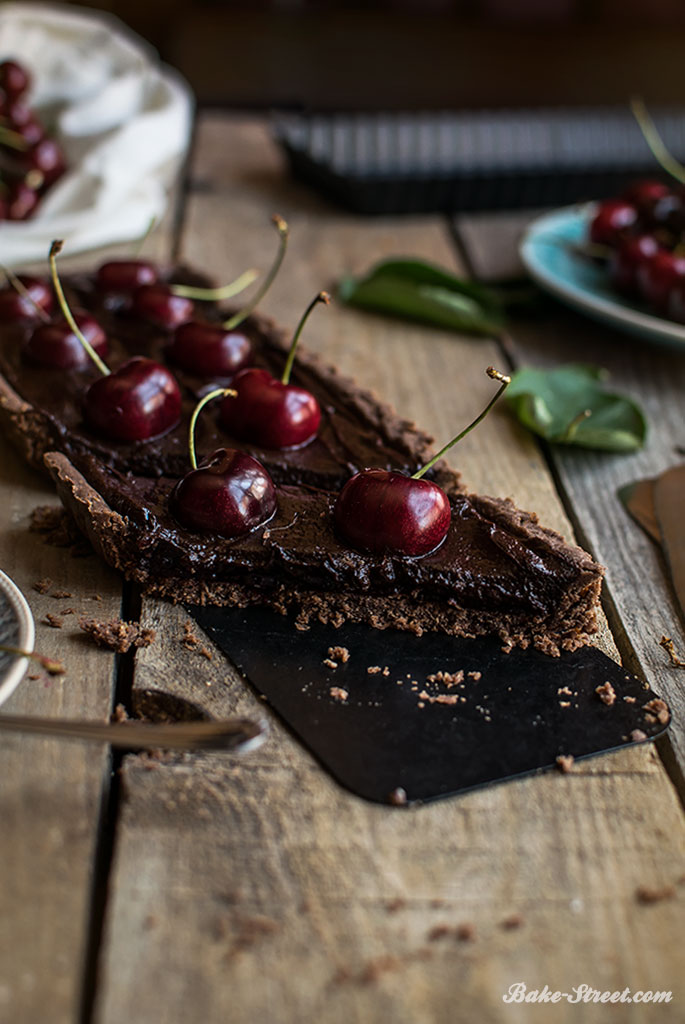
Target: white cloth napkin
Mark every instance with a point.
(122, 118)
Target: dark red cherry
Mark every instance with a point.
(15, 307)
(612, 220)
(268, 413)
(139, 400)
(18, 113)
(55, 344)
(230, 493)
(14, 78)
(210, 350)
(124, 276)
(643, 194)
(31, 131)
(157, 303)
(384, 512)
(657, 276)
(21, 201)
(47, 157)
(626, 259)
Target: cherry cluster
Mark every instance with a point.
(644, 231)
(30, 159)
(229, 493)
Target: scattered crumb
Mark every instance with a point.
(448, 678)
(189, 640)
(606, 693)
(329, 663)
(120, 714)
(337, 693)
(512, 922)
(566, 690)
(565, 763)
(392, 906)
(658, 710)
(58, 529)
(438, 931)
(564, 703)
(42, 586)
(638, 736)
(397, 797)
(386, 671)
(33, 675)
(669, 647)
(206, 653)
(54, 621)
(439, 698)
(648, 894)
(375, 968)
(475, 676)
(116, 634)
(339, 654)
(466, 932)
(373, 670)
(67, 611)
(61, 595)
(629, 700)
(95, 597)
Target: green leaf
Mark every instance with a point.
(568, 405)
(416, 290)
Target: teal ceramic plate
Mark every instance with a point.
(551, 262)
(16, 630)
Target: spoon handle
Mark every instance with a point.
(232, 734)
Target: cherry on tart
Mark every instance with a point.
(123, 277)
(384, 512)
(24, 298)
(220, 350)
(14, 79)
(57, 346)
(137, 401)
(158, 304)
(229, 493)
(273, 413)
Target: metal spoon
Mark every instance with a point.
(237, 734)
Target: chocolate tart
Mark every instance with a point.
(497, 572)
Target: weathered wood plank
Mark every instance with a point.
(52, 792)
(257, 889)
(654, 375)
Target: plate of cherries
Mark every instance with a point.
(621, 260)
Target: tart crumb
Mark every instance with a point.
(650, 894)
(392, 906)
(466, 932)
(116, 634)
(512, 922)
(61, 595)
(629, 700)
(329, 663)
(438, 931)
(54, 621)
(638, 736)
(448, 678)
(669, 647)
(606, 693)
(42, 586)
(565, 763)
(475, 676)
(657, 711)
(337, 693)
(373, 670)
(67, 611)
(120, 714)
(339, 654)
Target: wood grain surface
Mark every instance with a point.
(255, 889)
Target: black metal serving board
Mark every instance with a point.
(388, 743)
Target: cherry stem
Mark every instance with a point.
(22, 290)
(655, 142)
(51, 665)
(198, 409)
(227, 291)
(12, 139)
(242, 314)
(496, 375)
(571, 429)
(321, 297)
(55, 249)
(152, 224)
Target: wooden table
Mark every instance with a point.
(210, 888)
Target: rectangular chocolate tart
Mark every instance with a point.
(498, 572)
